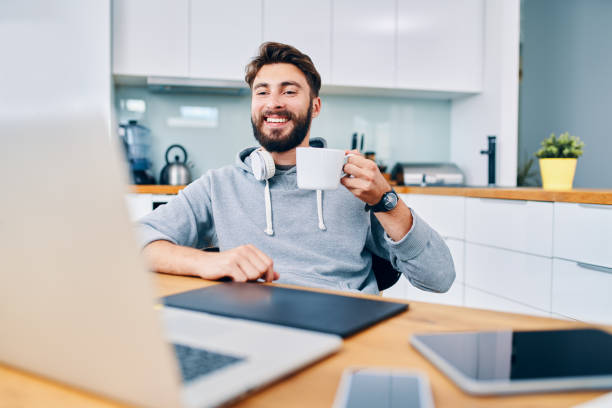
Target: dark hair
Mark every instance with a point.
(277, 53)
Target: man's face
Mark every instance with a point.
(281, 107)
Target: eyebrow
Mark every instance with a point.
(291, 83)
(283, 84)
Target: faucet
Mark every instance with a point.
(491, 153)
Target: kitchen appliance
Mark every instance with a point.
(137, 143)
(176, 173)
(427, 174)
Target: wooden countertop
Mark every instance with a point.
(587, 196)
(383, 345)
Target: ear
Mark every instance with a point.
(316, 106)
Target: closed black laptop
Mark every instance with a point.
(322, 312)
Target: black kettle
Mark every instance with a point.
(176, 173)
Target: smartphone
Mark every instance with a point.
(380, 387)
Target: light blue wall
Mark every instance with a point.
(567, 81)
(398, 129)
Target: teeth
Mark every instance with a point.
(276, 120)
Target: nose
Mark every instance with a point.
(274, 101)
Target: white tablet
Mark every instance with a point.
(510, 362)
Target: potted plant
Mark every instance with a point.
(558, 158)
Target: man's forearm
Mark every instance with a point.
(166, 257)
(396, 222)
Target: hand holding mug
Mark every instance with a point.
(366, 181)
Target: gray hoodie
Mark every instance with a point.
(326, 247)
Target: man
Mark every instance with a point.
(268, 228)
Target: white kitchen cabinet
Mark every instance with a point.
(513, 275)
(224, 36)
(582, 292)
(405, 291)
(583, 233)
(519, 225)
(482, 300)
(305, 25)
(151, 38)
(363, 43)
(445, 214)
(440, 45)
(140, 205)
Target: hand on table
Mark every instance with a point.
(367, 182)
(241, 264)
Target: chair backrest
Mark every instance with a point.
(386, 275)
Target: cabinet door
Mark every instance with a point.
(445, 214)
(138, 205)
(583, 233)
(440, 45)
(513, 275)
(151, 38)
(363, 43)
(519, 225)
(305, 25)
(582, 292)
(224, 36)
(482, 300)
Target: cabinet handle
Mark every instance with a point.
(597, 206)
(503, 200)
(592, 267)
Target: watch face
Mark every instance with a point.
(390, 200)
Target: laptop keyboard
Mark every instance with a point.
(196, 362)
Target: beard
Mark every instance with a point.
(275, 141)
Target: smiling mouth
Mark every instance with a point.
(276, 119)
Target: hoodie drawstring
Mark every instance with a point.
(269, 229)
(320, 210)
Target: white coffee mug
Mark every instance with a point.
(320, 168)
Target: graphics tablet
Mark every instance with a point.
(509, 362)
(303, 309)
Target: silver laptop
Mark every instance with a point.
(76, 303)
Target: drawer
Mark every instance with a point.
(582, 293)
(583, 232)
(445, 214)
(481, 300)
(453, 297)
(516, 276)
(519, 225)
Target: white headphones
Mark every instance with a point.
(262, 164)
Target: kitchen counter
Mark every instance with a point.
(587, 196)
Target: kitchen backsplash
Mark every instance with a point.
(213, 127)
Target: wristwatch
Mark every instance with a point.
(387, 202)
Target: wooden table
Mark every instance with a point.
(384, 345)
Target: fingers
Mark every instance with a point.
(367, 183)
(246, 263)
(263, 263)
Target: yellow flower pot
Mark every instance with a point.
(557, 174)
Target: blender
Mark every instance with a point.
(137, 143)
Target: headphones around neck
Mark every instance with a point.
(262, 164)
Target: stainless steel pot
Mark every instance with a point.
(176, 173)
